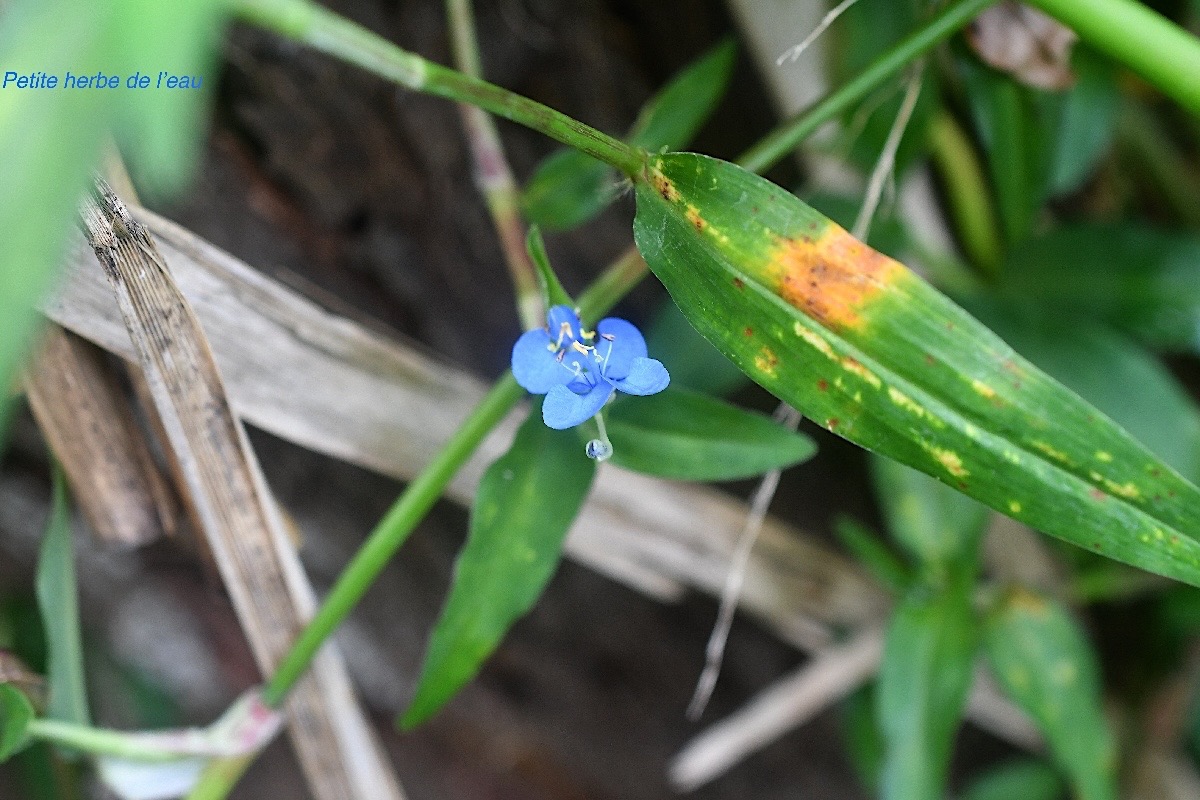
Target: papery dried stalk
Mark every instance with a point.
(86, 418)
(336, 747)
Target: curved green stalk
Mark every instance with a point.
(99, 741)
(311, 24)
(390, 533)
(1153, 46)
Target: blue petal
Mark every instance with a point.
(535, 366)
(556, 317)
(619, 352)
(564, 409)
(646, 376)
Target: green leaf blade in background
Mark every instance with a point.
(1026, 779)
(688, 356)
(1044, 662)
(860, 344)
(525, 504)
(1144, 280)
(16, 712)
(937, 525)
(923, 682)
(58, 602)
(689, 436)
(569, 188)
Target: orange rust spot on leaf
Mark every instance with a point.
(739, 284)
(748, 331)
(823, 385)
(831, 278)
(693, 216)
(832, 423)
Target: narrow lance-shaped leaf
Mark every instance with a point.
(526, 502)
(866, 348)
(923, 684)
(1046, 665)
(693, 437)
(58, 601)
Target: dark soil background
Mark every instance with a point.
(361, 195)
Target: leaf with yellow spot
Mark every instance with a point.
(1045, 663)
(863, 346)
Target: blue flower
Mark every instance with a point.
(578, 370)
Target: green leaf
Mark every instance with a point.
(923, 683)
(1101, 365)
(569, 188)
(16, 712)
(936, 524)
(690, 436)
(860, 344)
(58, 601)
(1026, 779)
(1144, 280)
(51, 137)
(527, 500)
(1041, 657)
(673, 116)
(552, 291)
(1017, 125)
(691, 360)
(870, 550)
(860, 732)
(1088, 121)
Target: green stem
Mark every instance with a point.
(1150, 44)
(311, 24)
(492, 172)
(97, 741)
(786, 137)
(391, 532)
(966, 192)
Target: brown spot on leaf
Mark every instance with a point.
(739, 284)
(823, 385)
(832, 423)
(663, 185)
(693, 216)
(1097, 494)
(748, 331)
(833, 277)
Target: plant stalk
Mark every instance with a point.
(492, 172)
(309, 23)
(1149, 43)
(787, 136)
